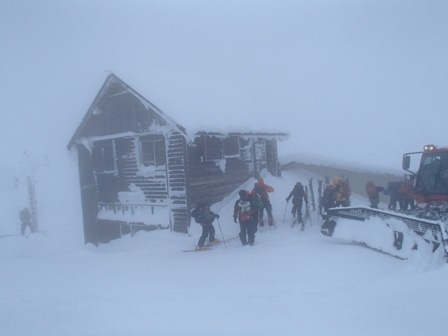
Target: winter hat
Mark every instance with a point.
(243, 193)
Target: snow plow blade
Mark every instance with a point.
(396, 234)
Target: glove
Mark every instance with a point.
(234, 219)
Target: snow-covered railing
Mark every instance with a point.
(135, 214)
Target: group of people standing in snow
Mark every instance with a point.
(250, 207)
(248, 212)
(336, 193)
(399, 192)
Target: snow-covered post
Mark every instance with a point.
(32, 205)
(32, 195)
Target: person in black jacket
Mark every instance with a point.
(328, 198)
(204, 216)
(245, 213)
(298, 195)
(25, 220)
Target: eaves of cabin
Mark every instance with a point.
(119, 109)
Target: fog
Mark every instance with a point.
(358, 81)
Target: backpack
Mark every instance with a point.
(299, 192)
(195, 215)
(256, 201)
(202, 214)
(245, 210)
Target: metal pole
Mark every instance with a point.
(223, 240)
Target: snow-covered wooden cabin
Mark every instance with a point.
(138, 168)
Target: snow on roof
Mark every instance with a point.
(111, 79)
(208, 104)
(198, 117)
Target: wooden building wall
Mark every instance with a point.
(219, 164)
(164, 186)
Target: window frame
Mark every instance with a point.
(104, 157)
(152, 144)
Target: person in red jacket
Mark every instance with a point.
(406, 192)
(374, 194)
(262, 190)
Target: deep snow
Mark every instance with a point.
(289, 283)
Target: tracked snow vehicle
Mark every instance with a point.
(402, 233)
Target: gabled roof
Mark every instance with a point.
(110, 80)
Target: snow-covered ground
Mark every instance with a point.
(289, 283)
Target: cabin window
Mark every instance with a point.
(152, 151)
(231, 146)
(213, 148)
(103, 156)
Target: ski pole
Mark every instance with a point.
(309, 213)
(284, 216)
(223, 240)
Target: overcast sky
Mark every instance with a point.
(361, 80)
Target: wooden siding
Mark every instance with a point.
(212, 180)
(153, 185)
(272, 163)
(88, 196)
(253, 153)
(120, 111)
(165, 185)
(177, 180)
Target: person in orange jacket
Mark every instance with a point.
(262, 190)
(373, 192)
(342, 189)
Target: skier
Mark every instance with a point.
(262, 190)
(298, 196)
(25, 220)
(374, 194)
(245, 213)
(204, 216)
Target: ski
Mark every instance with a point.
(311, 198)
(198, 250)
(302, 224)
(208, 246)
